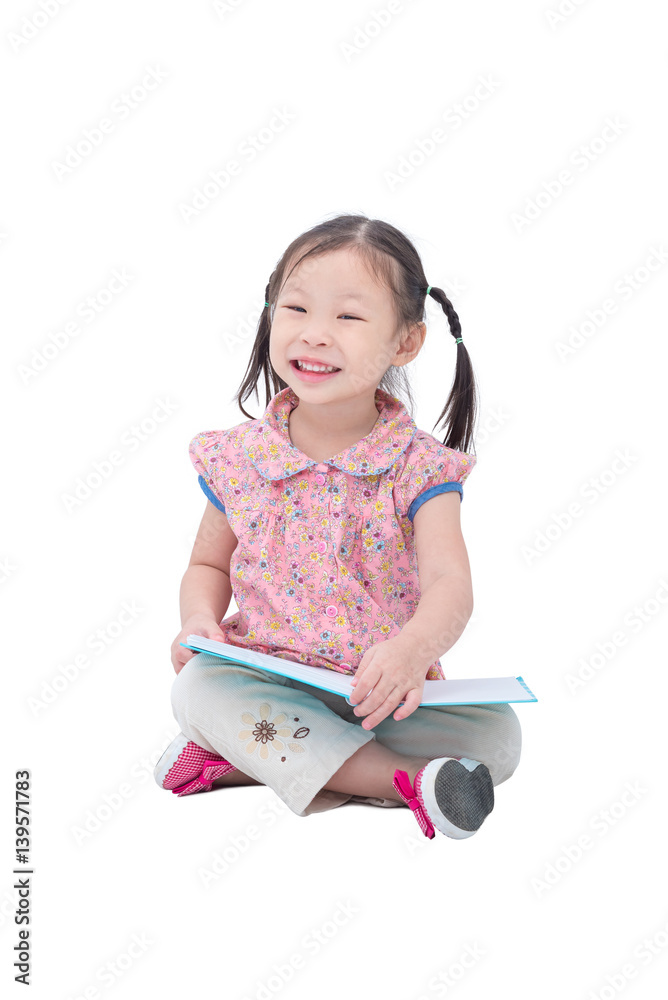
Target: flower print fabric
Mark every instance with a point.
(266, 732)
(325, 564)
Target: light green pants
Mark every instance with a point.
(293, 737)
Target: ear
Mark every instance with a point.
(410, 344)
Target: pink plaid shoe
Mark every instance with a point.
(452, 794)
(185, 768)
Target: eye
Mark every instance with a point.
(344, 316)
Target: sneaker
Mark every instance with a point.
(185, 767)
(452, 794)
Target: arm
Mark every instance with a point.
(396, 670)
(446, 603)
(206, 589)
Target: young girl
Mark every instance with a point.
(335, 523)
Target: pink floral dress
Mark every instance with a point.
(325, 564)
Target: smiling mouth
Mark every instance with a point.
(308, 367)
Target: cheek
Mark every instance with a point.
(280, 338)
(275, 353)
(277, 356)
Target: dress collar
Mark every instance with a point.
(268, 445)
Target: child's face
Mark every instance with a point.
(318, 317)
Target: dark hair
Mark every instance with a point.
(393, 259)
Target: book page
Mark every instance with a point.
(464, 691)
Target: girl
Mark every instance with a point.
(335, 524)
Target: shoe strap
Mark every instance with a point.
(214, 769)
(402, 784)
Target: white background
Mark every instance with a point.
(551, 428)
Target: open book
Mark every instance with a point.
(478, 691)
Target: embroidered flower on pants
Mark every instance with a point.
(265, 733)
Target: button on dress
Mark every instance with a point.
(325, 564)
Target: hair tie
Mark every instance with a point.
(458, 340)
(266, 303)
(429, 289)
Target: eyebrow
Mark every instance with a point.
(344, 295)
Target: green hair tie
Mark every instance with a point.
(458, 340)
(429, 289)
(266, 303)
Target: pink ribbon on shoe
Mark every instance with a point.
(402, 784)
(211, 769)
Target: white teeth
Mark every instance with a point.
(316, 368)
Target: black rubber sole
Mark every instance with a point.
(464, 797)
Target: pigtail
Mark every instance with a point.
(259, 364)
(460, 409)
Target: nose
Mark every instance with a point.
(316, 333)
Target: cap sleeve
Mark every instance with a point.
(431, 468)
(207, 450)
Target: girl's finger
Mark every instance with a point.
(379, 699)
(411, 702)
(214, 633)
(364, 701)
(363, 686)
(383, 710)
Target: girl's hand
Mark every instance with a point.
(195, 625)
(395, 673)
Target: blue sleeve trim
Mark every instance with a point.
(212, 496)
(432, 492)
